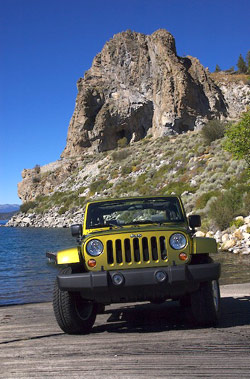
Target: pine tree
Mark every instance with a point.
(242, 67)
(217, 68)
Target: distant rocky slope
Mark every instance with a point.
(7, 208)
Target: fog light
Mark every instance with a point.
(118, 279)
(183, 256)
(161, 276)
(92, 263)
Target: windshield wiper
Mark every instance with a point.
(109, 225)
(147, 222)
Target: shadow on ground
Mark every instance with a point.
(150, 318)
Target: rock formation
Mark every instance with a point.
(137, 85)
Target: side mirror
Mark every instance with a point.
(76, 230)
(194, 221)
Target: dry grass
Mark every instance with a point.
(222, 77)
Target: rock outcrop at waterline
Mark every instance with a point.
(138, 85)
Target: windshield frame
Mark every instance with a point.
(140, 200)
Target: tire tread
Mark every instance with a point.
(65, 310)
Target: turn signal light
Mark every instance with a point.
(183, 256)
(91, 262)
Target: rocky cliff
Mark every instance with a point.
(139, 85)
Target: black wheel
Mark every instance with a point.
(74, 315)
(205, 304)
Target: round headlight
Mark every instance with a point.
(178, 241)
(94, 248)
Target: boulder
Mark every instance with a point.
(238, 234)
(224, 237)
(200, 234)
(228, 244)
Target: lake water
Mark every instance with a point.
(27, 277)
(25, 274)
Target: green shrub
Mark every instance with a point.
(246, 203)
(178, 188)
(201, 202)
(122, 187)
(28, 206)
(120, 155)
(141, 181)
(161, 173)
(238, 138)
(126, 170)
(146, 139)
(42, 209)
(122, 142)
(98, 186)
(237, 223)
(62, 210)
(225, 208)
(36, 179)
(57, 197)
(114, 174)
(212, 131)
(81, 190)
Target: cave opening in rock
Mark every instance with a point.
(123, 137)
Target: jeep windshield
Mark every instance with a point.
(119, 213)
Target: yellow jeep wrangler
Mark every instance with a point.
(135, 249)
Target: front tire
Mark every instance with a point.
(74, 315)
(205, 304)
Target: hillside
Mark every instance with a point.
(209, 181)
(183, 164)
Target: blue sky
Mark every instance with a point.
(46, 45)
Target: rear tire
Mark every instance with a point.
(205, 304)
(74, 315)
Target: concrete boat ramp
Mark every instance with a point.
(128, 341)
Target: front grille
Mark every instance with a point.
(136, 250)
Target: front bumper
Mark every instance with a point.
(139, 284)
